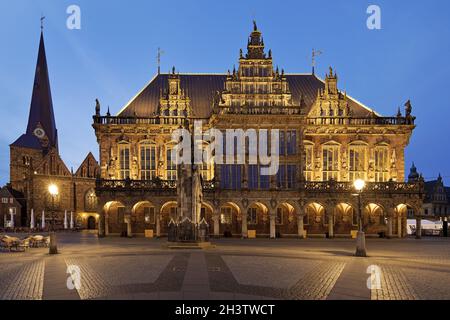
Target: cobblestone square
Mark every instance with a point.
(140, 268)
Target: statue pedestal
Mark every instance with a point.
(188, 235)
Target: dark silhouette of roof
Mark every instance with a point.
(28, 141)
(41, 108)
(200, 88)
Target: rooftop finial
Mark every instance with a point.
(255, 28)
(42, 22)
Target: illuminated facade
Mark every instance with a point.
(327, 140)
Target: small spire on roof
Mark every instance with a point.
(255, 28)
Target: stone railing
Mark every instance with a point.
(361, 121)
(264, 110)
(110, 120)
(157, 184)
(371, 187)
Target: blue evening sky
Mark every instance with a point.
(114, 55)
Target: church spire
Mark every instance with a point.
(41, 120)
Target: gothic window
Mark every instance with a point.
(291, 173)
(309, 162)
(171, 167)
(90, 201)
(148, 161)
(357, 162)
(252, 215)
(381, 164)
(330, 159)
(256, 180)
(149, 215)
(124, 161)
(225, 215)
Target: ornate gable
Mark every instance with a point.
(53, 165)
(330, 102)
(89, 168)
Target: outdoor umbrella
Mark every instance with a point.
(32, 219)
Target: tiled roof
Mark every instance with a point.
(201, 88)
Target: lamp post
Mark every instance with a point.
(359, 185)
(53, 190)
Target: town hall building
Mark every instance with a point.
(327, 139)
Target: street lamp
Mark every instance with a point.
(53, 190)
(359, 185)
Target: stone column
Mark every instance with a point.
(127, 219)
(399, 226)
(330, 226)
(106, 223)
(216, 220)
(244, 224)
(158, 225)
(101, 224)
(300, 227)
(272, 226)
(418, 227)
(404, 226)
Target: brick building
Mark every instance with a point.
(35, 164)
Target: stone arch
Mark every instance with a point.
(258, 217)
(143, 216)
(230, 219)
(374, 218)
(169, 210)
(207, 212)
(286, 218)
(315, 219)
(114, 212)
(403, 211)
(345, 218)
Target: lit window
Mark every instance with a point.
(330, 159)
(148, 162)
(171, 167)
(124, 161)
(309, 162)
(4, 200)
(381, 164)
(357, 162)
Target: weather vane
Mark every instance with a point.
(315, 53)
(42, 22)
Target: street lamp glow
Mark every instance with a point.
(53, 189)
(359, 184)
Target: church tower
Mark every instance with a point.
(41, 137)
